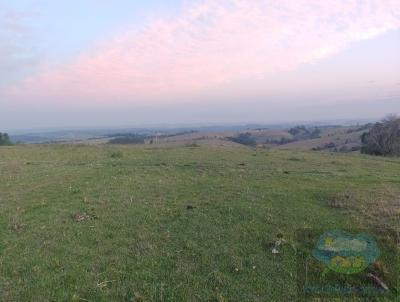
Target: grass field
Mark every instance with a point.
(120, 223)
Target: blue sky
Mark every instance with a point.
(57, 31)
(68, 26)
(100, 63)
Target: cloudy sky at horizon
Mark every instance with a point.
(119, 63)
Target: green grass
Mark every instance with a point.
(138, 239)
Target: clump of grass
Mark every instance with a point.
(192, 145)
(116, 154)
(74, 190)
(296, 159)
(83, 216)
(342, 200)
(16, 225)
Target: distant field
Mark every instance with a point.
(181, 223)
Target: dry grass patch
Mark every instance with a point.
(380, 205)
(342, 200)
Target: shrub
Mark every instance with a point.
(116, 154)
(383, 139)
(301, 132)
(244, 139)
(5, 139)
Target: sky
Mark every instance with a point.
(97, 63)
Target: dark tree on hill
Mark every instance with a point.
(301, 132)
(383, 138)
(316, 133)
(298, 130)
(5, 139)
(244, 139)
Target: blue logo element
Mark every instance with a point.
(346, 253)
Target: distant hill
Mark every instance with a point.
(338, 138)
(318, 136)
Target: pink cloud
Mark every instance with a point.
(209, 44)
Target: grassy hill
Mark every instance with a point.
(330, 138)
(345, 139)
(182, 223)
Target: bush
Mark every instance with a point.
(116, 154)
(301, 132)
(297, 130)
(383, 139)
(244, 139)
(330, 145)
(5, 139)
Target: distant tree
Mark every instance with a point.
(128, 139)
(244, 139)
(301, 132)
(5, 139)
(315, 133)
(298, 130)
(383, 138)
(285, 140)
